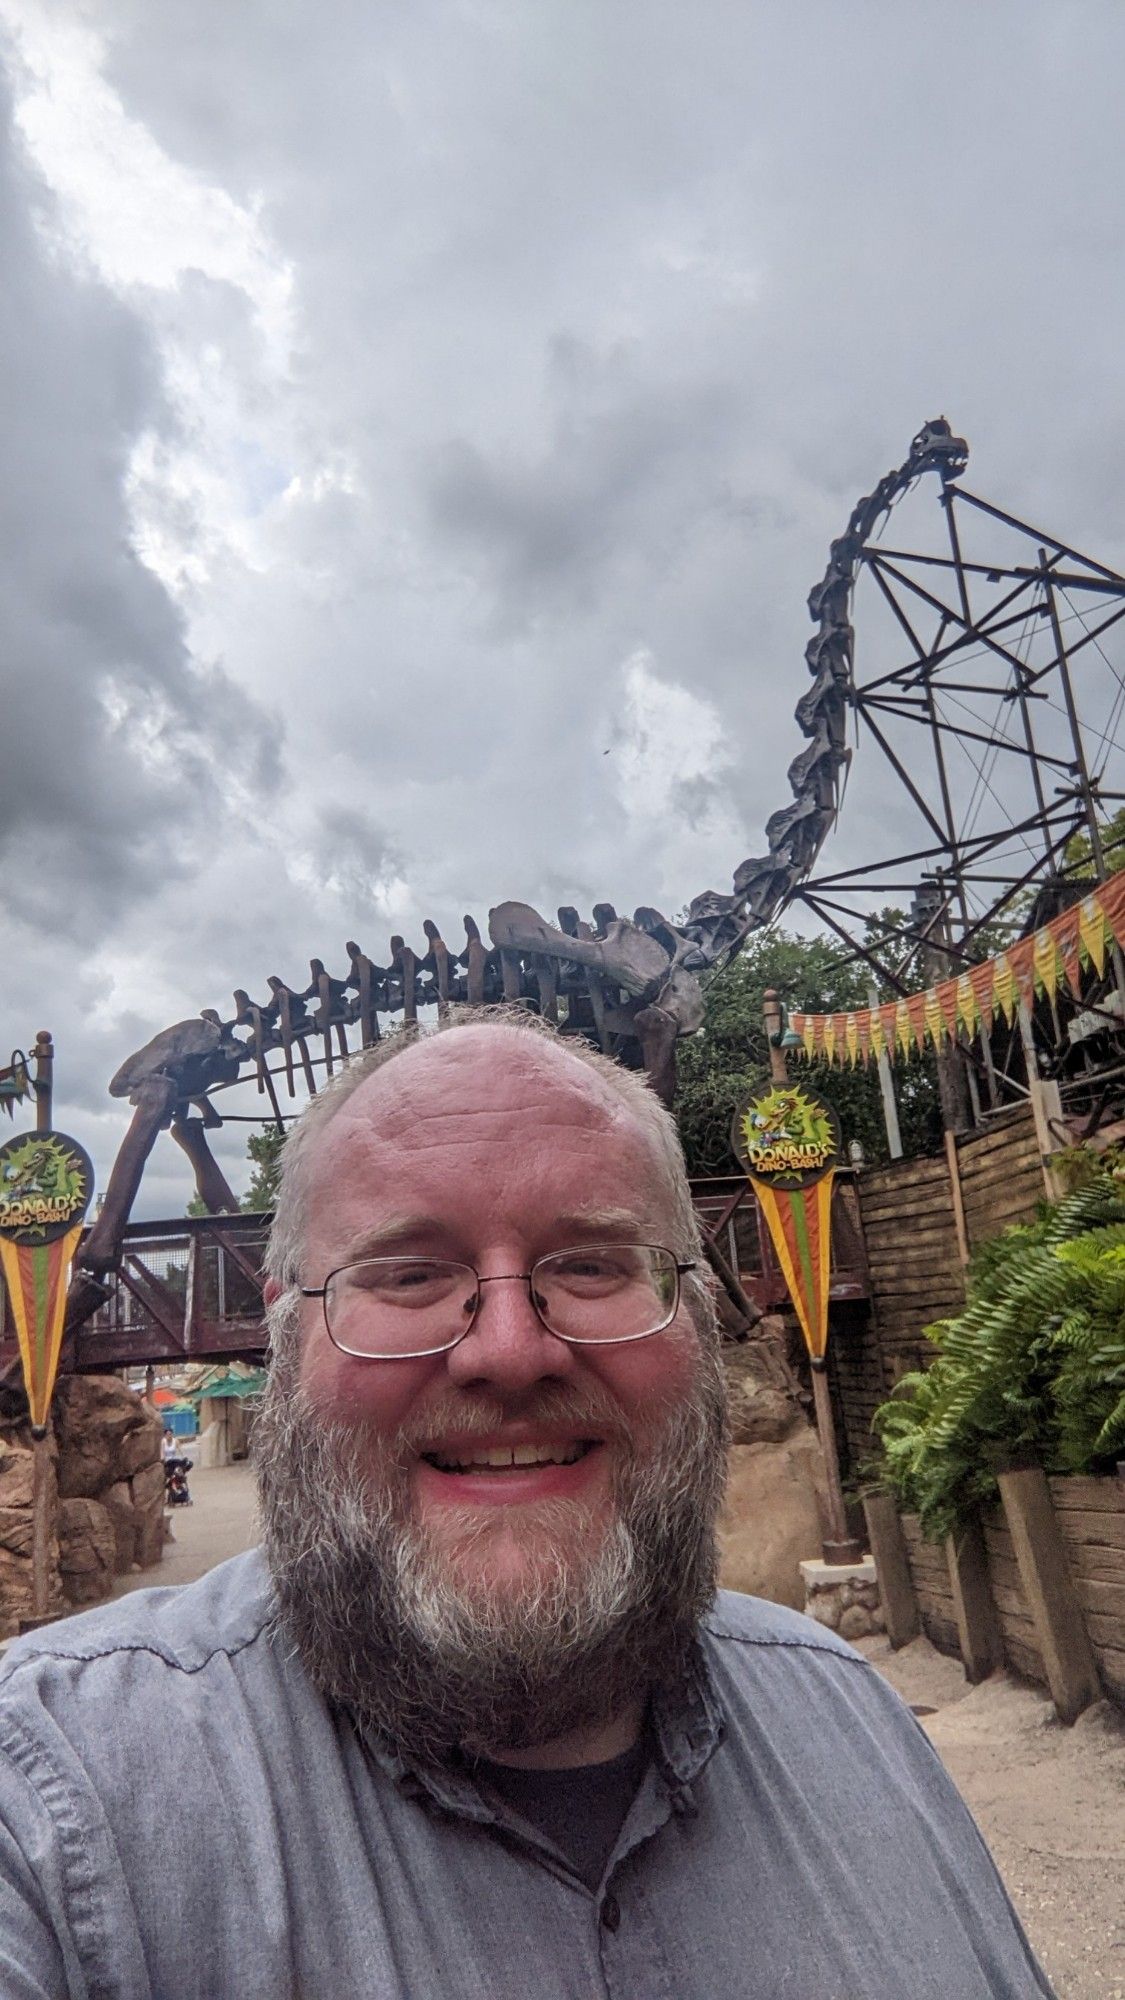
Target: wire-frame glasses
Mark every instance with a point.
(402, 1308)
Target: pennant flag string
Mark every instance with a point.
(1061, 951)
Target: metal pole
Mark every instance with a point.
(1082, 771)
(1081, 768)
(887, 1090)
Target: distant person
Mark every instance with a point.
(474, 1723)
(169, 1445)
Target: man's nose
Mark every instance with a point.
(509, 1348)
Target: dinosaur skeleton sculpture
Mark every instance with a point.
(630, 984)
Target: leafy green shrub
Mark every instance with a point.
(1033, 1369)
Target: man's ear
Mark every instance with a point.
(271, 1290)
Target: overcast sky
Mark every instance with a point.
(424, 424)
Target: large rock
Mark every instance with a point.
(761, 1388)
(87, 1550)
(147, 1488)
(140, 1451)
(105, 1434)
(16, 1525)
(118, 1503)
(771, 1518)
(16, 1475)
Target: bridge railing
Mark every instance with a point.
(191, 1290)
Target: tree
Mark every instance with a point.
(264, 1149)
(730, 1056)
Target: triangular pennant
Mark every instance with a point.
(864, 1022)
(1065, 931)
(36, 1276)
(982, 980)
(1111, 896)
(851, 1037)
(968, 1007)
(947, 1001)
(1021, 958)
(915, 1004)
(1092, 932)
(1045, 962)
(800, 1224)
(932, 1016)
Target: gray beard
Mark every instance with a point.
(429, 1659)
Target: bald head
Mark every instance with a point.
(505, 1079)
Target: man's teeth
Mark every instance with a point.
(503, 1456)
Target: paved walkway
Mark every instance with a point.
(1050, 1801)
(221, 1522)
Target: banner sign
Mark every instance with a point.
(788, 1142)
(46, 1181)
(1064, 949)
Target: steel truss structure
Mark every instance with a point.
(989, 681)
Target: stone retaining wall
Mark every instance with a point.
(106, 1498)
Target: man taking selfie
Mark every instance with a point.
(474, 1722)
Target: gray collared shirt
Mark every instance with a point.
(182, 1817)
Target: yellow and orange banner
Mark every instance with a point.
(1062, 950)
(788, 1141)
(45, 1185)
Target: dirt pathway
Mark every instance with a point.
(1050, 1802)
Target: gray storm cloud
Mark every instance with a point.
(382, 388)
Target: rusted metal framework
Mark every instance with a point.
(994, 703)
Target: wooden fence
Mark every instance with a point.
(1050, 1596)
(918, 1228)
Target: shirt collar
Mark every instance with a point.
(687, 1729)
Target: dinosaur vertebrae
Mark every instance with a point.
(620, 979)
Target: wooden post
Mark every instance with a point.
(44, 1053)
(1046, 1107)
(978, 1626)
(956, 1197)
(1060, 1627)
(40, 1524)
(896, 1586)
(40, 1450)
(771, 1015)
(887, 1089)
(837, 1546)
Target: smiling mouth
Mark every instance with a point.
(509, 1458)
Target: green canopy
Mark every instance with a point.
(219, 1383)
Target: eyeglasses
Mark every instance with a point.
(403, 1308)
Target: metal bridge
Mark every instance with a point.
(191, 1289)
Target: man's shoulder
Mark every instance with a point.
(753, 1621)
(180, 1627)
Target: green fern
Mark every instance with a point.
(1033, 1368)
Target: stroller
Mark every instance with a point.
(175, 1482)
